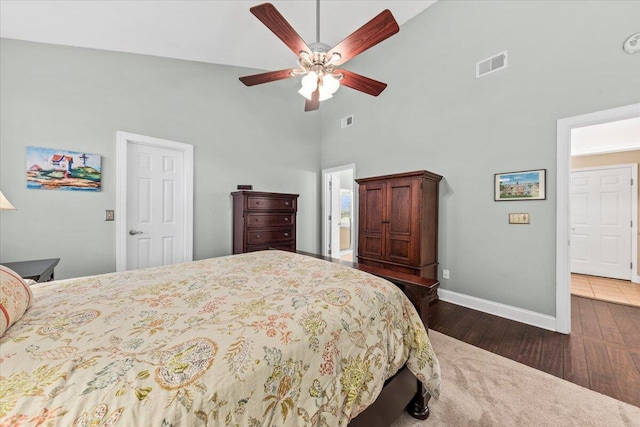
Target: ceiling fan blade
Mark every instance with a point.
(271, 76)
(361, 83)
(313, 103)
(269, 16)
(370, 34)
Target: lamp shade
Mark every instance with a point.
(5, 205)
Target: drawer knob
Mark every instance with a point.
(286, 203)
(257, 236)
(286, 218)
(257, 202)
(286, 234)
(257, 220)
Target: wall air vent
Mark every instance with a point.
(490, 65)
(346, 122)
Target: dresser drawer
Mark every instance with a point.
(271, 203)
(262, 237)
(282, 246)
(269, 220)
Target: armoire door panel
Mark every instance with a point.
(374, 209)
(400, 201)
(399, 251)
(372, 247)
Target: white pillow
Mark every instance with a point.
(15, 298)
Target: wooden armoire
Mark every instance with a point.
(398, 223)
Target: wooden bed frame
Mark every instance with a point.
(403, 390)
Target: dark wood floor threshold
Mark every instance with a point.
(602, 352)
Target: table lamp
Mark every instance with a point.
(5, 205)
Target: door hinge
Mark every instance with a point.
(632, 182)
(329, 217)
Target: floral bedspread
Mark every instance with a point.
(261, 339)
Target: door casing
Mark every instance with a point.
(122, 139)
(326, 206)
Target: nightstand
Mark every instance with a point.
(40, 270)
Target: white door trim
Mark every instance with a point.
(633, 170)
(122, 139)
(563, 191)
(326, 205)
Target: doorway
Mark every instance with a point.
(563, 157)
(154, 201)
(339, 213)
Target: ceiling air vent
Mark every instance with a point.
(489, 65)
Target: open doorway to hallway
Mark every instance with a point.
(604, 207)
(339, 213)
(564, 243)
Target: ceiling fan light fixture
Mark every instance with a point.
(331, 83)
(309, 84)
(324, 93)
(306, 93)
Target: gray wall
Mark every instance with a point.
(565, 59)
(76, 99)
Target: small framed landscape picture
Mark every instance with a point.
(524, 185)
(55, 169)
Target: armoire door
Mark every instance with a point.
(402, 221)
(371, 241)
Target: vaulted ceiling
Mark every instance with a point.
(213, 31)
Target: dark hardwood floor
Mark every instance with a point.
(601, 353)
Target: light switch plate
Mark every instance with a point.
(109, 215)
(518, 218)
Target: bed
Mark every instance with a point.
(267, 338)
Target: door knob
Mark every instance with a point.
(134, 232)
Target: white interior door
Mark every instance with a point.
(601, 222)
(154, 202)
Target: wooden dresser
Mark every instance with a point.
(398, 223)
(264, 220)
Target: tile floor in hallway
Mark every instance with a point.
(605, 289)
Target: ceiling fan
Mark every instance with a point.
(319, 62)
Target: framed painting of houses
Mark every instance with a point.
(523, 185)
(56, 169)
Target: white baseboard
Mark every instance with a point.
(635, 279)
(502, 310)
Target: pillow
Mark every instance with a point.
(15, 298)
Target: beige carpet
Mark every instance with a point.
(483, 389)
